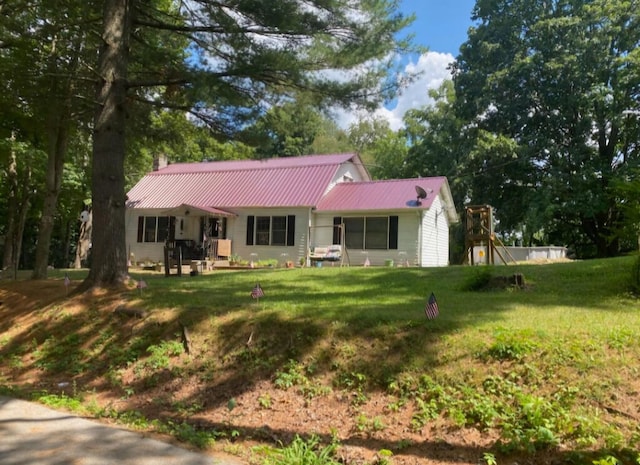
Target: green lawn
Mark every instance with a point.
(553, 366)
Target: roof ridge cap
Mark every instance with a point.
(373, 181)
(227, 170)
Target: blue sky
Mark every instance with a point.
(440, 25)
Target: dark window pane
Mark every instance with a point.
(250, 225)
(337, 231)
(150, 229)
(279, 230)
(140, 228)
(163, 228)
(172, 228)
(291, 230)
(393, 232)
(376, 233)
(354, 232)
(263, 224)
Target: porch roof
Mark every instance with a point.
(186, 210)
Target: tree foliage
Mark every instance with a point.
(45, 57)
(546, 85)
(245, 57)
(286, 130)
(173, 135)
(330, 138)
(382, 149)
(164, 66)
(439, 144)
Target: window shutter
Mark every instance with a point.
(140, 228)
(393, 232)
(250, 226)
(172, 229)
(291, 230)
(337, 236)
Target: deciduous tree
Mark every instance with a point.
(381, 148)
(44, 50)
(552, 80)
(439, 143)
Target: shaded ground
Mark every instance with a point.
(247, 413)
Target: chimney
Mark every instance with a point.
(159, 162)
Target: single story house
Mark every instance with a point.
(287, 208)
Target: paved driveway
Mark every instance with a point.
(33, 434)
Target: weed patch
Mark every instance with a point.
(510, 345)
(300, 451)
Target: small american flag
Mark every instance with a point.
(67, 281)
(431, 308)
(142, 284)
(257, 292)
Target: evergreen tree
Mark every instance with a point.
(243, 56)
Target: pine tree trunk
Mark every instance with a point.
(25, 202)
(53, 181)
(18, 206)
(12, 207)
(58, 127)
(108, 254)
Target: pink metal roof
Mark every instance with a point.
(393, 194)
(275, 182)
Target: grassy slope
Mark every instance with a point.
(551, 367)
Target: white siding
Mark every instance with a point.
(321, 230)
(435, 236)
(408, 231)
(237, 232)
(141, 251)
(408, 238)
(186, 227)
(423, 236)
(347, 170)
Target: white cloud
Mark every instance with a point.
(432, 69)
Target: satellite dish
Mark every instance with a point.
(84, 216)
(422, 194)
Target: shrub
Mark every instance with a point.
(510, 346)
(478, 279)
